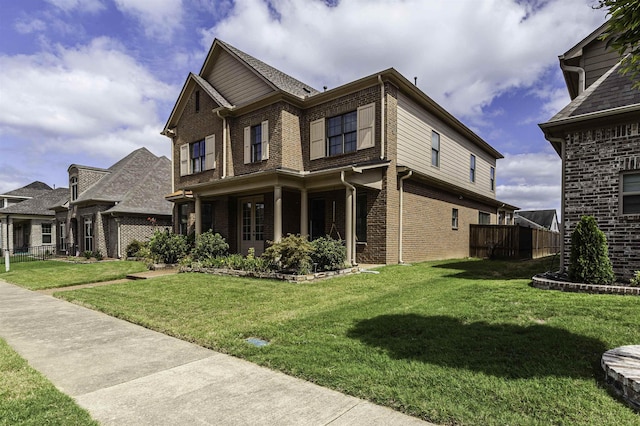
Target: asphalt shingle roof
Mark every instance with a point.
(135, 184)
(32, 190)
(612, 90)
(541, 217)
(38, 205)
(282, 81)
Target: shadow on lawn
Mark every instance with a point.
(503, 350)
(500, 269)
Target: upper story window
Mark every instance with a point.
(256, 143)
(435, 149)
(492, 179)
(198, 156)
(344, 133)
(630, 193)
(197, 100)
(472, 168)
(73, 183)
(341, 133)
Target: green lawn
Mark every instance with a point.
(453, 342)
(39, 275)
(27, 398)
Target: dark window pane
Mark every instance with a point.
(334, 126)
(350, 142)
(631, 183)
(631, 204)
(350, 122)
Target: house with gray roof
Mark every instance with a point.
(105, 209)
(538, 219)
(258, 154)
(25, 219)
(597, 135)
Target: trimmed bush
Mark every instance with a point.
(168, 247)
(328, 254)
(209, 245)
(134, 248)
(291, 254)
(589, 259)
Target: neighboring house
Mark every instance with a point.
(26, 221)
(105, 209)
(258, 154)
(598, 138)
(539, 219)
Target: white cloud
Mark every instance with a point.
(530, 181)
(159, 18)
(91, 6)
(91, 98)
(464, 53)
(28, 26)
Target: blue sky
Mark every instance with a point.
(88, 81)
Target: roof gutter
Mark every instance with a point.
(581, 75)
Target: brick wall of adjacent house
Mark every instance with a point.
(36, 233)
(86, 178)
(133, 228)
(595, 159)
(390, 208)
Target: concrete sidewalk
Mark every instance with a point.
(125, 374)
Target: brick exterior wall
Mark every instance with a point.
(390, 197)
(594, 161)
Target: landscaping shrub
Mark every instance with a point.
(168, 247)
(635, 280)
(134, 248)
(589, 259)
(209, 245)
(291, 254)
(328, 254)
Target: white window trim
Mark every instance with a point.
(623, 194)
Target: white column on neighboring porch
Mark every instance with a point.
(349, 229)
(10, 234)
(304, 213)
(198, 215)
(277, 213)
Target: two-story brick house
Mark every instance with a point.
(258, 154)
(598, 137)
(105, 209)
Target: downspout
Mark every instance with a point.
(224, 144)
(407, 176)
(382, 134)
(581, 76)
(350, 220)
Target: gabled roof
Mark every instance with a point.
(577, 49)
(38, 205)
(542, 218)
(32, 190)
(135, 184)
(275, 77)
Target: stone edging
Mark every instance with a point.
(622, 369)
(274, 275)
(548, 284)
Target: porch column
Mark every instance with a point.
(277, 213)
(304, 213)
(348, 224)
(4, 233)
(10, 234)
(198, 215)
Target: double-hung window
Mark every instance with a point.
(341, 133)
(435, 149)
(484, 218)
(198, 156)
(472, 168)
(630, 193)
(256, 143)
(88, 234)
(454, 218)
(46, 233)
(61, 236)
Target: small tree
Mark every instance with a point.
(589, 260)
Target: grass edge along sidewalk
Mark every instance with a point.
(27, 397)
(452, 342)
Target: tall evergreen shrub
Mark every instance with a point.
(589, 259)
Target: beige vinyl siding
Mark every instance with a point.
(597, 60)
(414, 149)
(237, 83)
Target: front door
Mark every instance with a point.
(252, 225)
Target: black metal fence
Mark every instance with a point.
(31, 254)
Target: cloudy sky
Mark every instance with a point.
(88, 81)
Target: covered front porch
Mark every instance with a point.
(251, 210)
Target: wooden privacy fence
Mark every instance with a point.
(512, 241)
